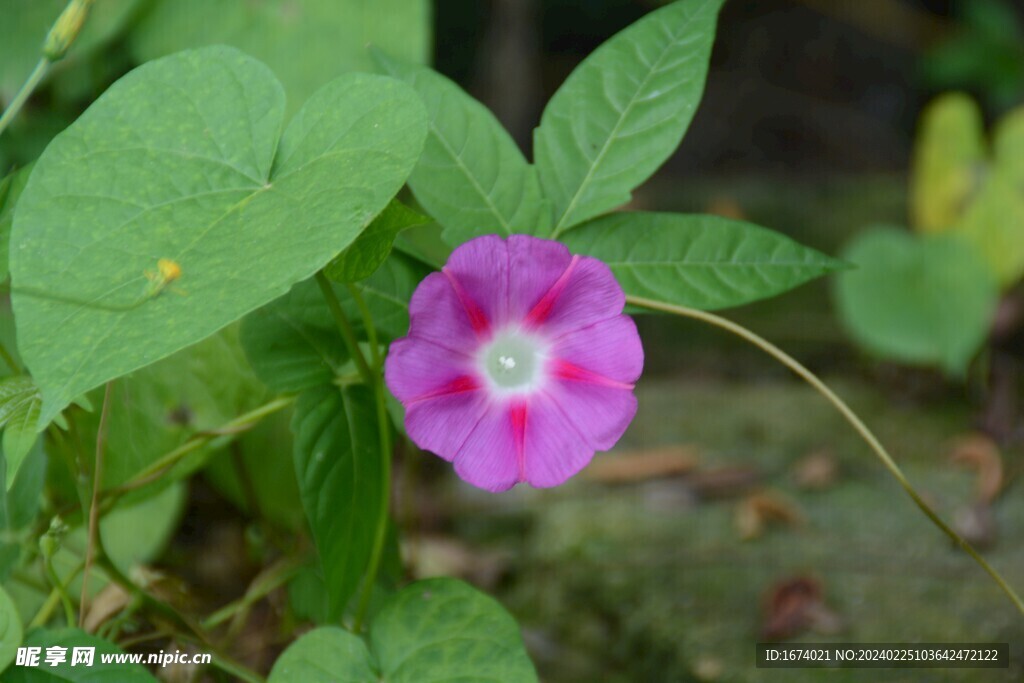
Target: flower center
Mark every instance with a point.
(512, 361)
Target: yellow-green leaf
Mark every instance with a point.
(949, 158)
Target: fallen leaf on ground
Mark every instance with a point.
(981, 454)
(758, 510)
(816, 471)
(795, 605)
(667, 461)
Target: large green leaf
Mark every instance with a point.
(949, 159)
(71, 638)
(704, 262)
(443, 630)
(434, 631)
(471, 177)
(293, 343)
(305, 42)
(25, 25)
(10, 630)
(926, 300)
(180, 161)
(338, 466)
(623, 111)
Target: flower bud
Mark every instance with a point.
(66, 29)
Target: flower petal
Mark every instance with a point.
(610, 348)
(442, 424)
(490, 457)
(599, 411)
(534, 267)
(586, 293)
(416, 369)
(436, 314)
(478, 271)
(554, 450)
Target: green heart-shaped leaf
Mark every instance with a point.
(434, 631)
(173, 206)
(925, 300)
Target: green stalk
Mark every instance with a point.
(236, 426)
(348, 334)
(844, 410)
(375, 381)
(93, 511)
(33, 81)
(371, 330)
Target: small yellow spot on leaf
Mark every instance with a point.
(169, 269)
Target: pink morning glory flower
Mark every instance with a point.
(519, 363)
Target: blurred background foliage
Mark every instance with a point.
(738, 507)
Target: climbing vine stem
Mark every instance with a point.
(850, 416)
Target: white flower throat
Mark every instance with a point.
(512, 361)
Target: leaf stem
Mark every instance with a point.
(33, 81)
(265, 583)
(380, 534)
(345, 328)
(60, 590)
(851, 417)
(94, 514)
(371, 329)
(375, 381)
(240, 424)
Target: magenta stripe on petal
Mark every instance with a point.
(588, 295)
(564, 370)
(542, 310)
(416, 368)
(478, 320)
(534, 267)
(555, 449)
(437, 315)
(610, 348)
(479, 271)
(442, 425)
